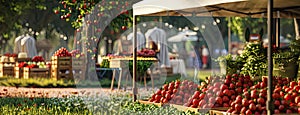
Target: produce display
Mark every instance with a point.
(237, 92)
(33, 65)
(146, 52)
(38, 59)
(62, 52)
(253, 101)
(220, 92)
(176, 92)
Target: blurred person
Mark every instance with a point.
(205, 54)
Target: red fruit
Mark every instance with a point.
(195, 102)
(157, 97)
(239, 84)
(165, 87)
(245, 102)
(297, 88)
(223, 87)
(165, 100)
(252, 107)
(263, 85)
(281, 107)
(230, 110)
(175, 91)
(258, 107)
(229, 77)
(227, 81)
(202, 103)
(233, 97)
(238, 107)
(275, 95)
(261, 101)
(227, 92)
(232, 86)
(247, 95)
(243, 110)
(211, 100)
(276, 103)
(225, 99)
(225, 105)
(288, 111)
(293, 84)
(201, 96)
(287, 97)
(168, 96)
(158, 92)
(248, 112)
(276, 111)
(254, 94)
(238, 90)
(283, 102)
(297, 99)
(219, 100)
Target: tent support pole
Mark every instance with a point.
(229, 35)
(277, 24)
(134, 88)
(270, 105)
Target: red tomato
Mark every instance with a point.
(287, 97)
(243, 110)
(245, 102)
(252, 107)
(248, 112)
(276, 111)
(238, 107)
(195, 102)
(277, 103)
(261, 101)
(281, 107)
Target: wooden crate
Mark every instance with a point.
(61, 67)
(61, 73)
(7, 70)
(19, 72)
(79, 67)
(36, 73)
(61, 61)
(198, 110)
(148, 102)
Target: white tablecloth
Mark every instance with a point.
(178, 66)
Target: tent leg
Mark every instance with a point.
(134, 88)
(270, 105)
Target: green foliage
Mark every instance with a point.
(255, 60)
(51, 83)
(83, 106)
(142, 66)
(104, 63)
(232, 64)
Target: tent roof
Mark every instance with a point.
(254, 8)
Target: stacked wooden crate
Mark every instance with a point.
(7, 69)
(78, 67)
(19, 71)
(36, 73)
(61, 67)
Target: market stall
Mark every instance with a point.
(226, 8)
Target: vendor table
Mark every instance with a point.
(178, 66)
(122, 64)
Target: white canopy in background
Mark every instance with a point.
(141, 40)
(186, 35)
(254, 8)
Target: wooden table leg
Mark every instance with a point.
(112, 80)
(120, 78)
(151, 76)
(145, 82)
(125, 87)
